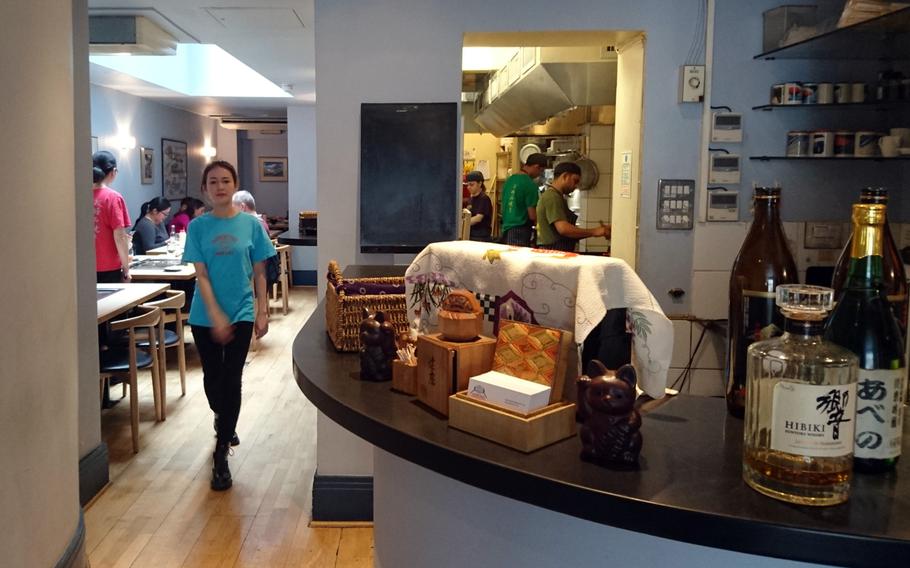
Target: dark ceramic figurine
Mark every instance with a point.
(377, 347)
(609, 422)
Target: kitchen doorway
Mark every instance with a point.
(573, 96)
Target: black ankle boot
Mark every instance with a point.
(221, 474)
(235, 440)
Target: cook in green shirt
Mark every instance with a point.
(520, 193)
(555, 221)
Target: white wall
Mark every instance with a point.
(302, 182)
(114, 112)
(271, 196)
(39, 504)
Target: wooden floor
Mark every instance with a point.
(159, 511)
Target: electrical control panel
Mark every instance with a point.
(727, 127)
(692, 83)
(724, 168)
(723, 205)
(675, 203)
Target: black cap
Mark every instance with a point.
(474, 176)
(536, 159)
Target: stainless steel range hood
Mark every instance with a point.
(546, 90)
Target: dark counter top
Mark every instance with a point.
(689, 487)
(296, 238)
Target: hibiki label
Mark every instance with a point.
(813, 420)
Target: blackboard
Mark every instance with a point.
(409, 191)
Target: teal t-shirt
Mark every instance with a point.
(228, 247)
(518, 194)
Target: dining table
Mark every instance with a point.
(160, 268)
(115, 299)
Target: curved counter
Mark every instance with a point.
(688, 489)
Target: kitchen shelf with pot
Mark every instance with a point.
(876, 105)
(885, 38)
(831, 158)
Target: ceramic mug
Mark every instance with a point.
(904, 135)
(810, 93)
(842, 93)
(822, 144)
(843, 143)
(797, 143)
(866, 143)
(888, 145)
(825, 93)
(858, 93)
(793, 94)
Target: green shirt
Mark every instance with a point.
(518, 193)
(552, 207)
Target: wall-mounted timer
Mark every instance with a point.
(723, 205)
(724, 168)
(727, 127)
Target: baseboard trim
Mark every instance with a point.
(342, 498)
(341, 524)
(303, 278)
(74, 555)
(93, 473)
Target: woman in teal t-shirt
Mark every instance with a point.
(228, 249)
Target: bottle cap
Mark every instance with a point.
(874, 195)
(766, 192)
(804, 302)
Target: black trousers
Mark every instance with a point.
(222, 368)
(109, 276)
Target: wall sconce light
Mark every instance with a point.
(123, 141)
(209, 152)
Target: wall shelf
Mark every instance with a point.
(877, 105)
(886, 38)
(831, 159)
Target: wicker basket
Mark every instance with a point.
(343, 313)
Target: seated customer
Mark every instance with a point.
(190, 208)
(147, 232)
(556, 228)
(244, 201)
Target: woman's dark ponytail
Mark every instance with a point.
(103, 163)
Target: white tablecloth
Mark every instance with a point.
(553, 289)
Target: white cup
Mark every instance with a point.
(903, 134)
(866, 143)
(825, 93)
(888, 145)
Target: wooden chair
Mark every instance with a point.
(282, 286)
(171, 312)
(129, 361)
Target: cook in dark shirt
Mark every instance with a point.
(480, 206)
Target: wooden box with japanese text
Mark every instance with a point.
(445, 367)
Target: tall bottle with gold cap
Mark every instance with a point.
(894, 279)
(864, 323)
(763, 263)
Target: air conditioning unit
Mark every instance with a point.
(128, 34)
(263, 124)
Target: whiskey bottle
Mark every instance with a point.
(894, 278)
(801, 404)
(864, 323)
(763, 263)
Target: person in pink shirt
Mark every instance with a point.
(112, 222)
(190, 208)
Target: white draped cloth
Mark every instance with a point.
(550, 288)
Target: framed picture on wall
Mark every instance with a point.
(173, 168)
(146, 157)
(273, 168)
